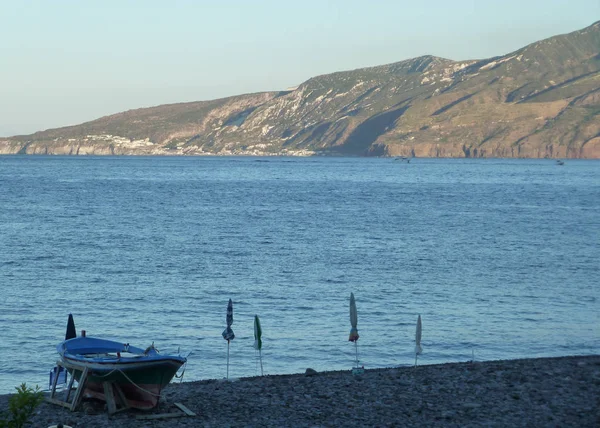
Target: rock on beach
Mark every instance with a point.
(538, 392)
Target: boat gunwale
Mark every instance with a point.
(120, 364)
(140, 359)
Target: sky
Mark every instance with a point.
(65, 62)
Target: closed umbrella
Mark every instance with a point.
(228, 334)
(71, 332)
(418, 348)
(353, 322)
(258, 341)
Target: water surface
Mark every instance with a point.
(500, 258)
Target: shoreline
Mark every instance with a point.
(557, 391)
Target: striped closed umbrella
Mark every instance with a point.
(228, 334)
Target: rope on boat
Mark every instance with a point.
(136, 385)
(129, 379)
(182, 373)
(107, 374)
(139, 387)
(184, 366)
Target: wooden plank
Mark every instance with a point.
(55, 380)
(185, 409)
(80, 387)
(109, 397)
(161, 416)
(59, 402)
(69, 387)
(121, 396)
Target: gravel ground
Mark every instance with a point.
(543, 392)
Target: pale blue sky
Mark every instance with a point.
(66, 62)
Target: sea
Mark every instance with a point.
(500, 257)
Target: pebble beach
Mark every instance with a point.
(541, 392)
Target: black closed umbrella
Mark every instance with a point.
(71, 332)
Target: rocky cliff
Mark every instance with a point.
(540, 101)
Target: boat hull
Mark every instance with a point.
(141, 385)
(142, 397)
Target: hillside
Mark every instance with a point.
(540, 101)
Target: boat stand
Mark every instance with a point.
(110, 390)
(77, 396)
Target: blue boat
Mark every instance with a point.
(138, 374)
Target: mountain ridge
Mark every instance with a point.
(539, 101)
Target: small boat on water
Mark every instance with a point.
(139, 374)
(559, 162)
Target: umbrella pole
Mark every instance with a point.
(228, 359)
(260, 358)
(356, 348)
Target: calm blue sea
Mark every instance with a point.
(500, 258)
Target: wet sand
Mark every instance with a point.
(542, 392)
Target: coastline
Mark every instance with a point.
(560, 391)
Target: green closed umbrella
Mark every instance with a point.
(258, 341)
